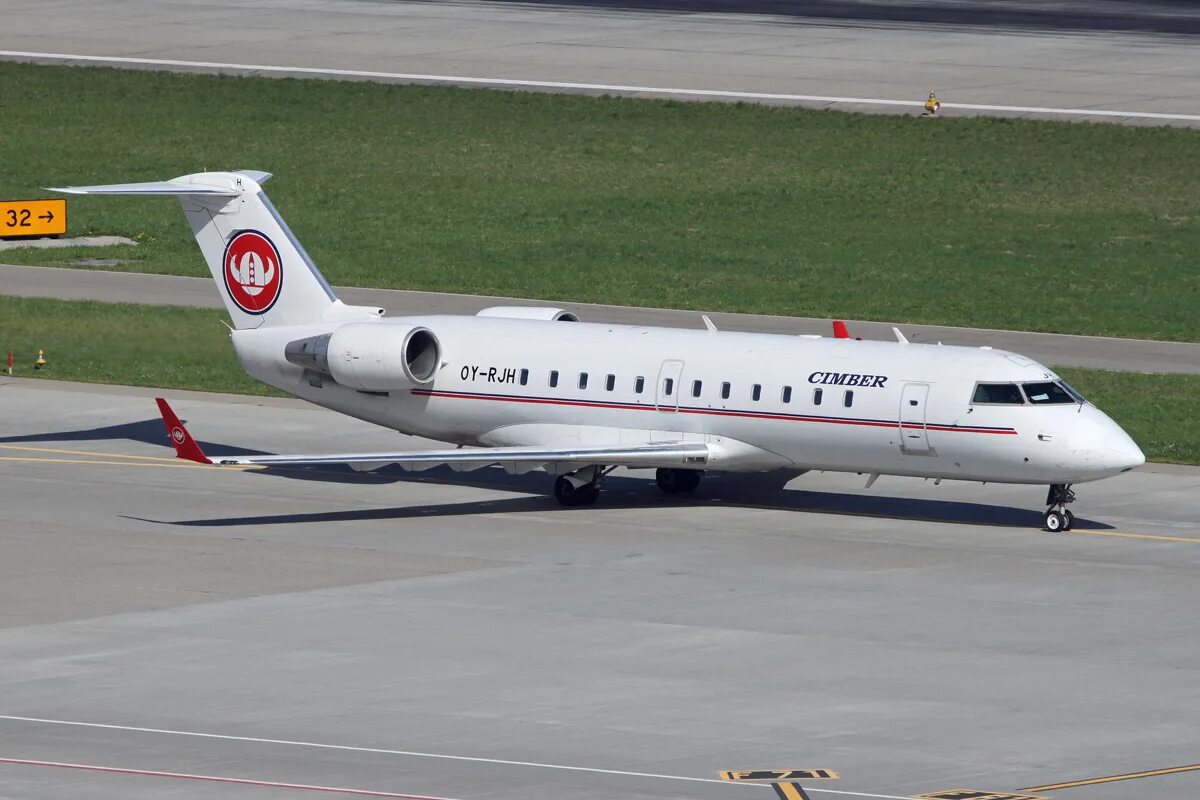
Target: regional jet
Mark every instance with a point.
(535, 388)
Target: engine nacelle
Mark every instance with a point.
(530, 312)
(371, 356)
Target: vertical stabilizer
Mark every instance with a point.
(262, 272)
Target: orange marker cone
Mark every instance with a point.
(41, 359)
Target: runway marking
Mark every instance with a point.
(112, 463)
(218, 779)
(416, 754)
(85, 453)
(1128, 776)
(791, 791)
(777, 774)
(594, 87)
(1157, 537)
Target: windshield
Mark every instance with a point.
(1007, 393)
(1073, 392)
(1047, 393)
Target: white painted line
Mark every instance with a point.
(416, 754)
(152, 773)
(591, 87)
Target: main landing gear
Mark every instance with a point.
(1058, 518)
(678, 481)
(579, 488)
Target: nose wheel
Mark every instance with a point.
(1058, 518)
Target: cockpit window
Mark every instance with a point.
(1006, 393)
(1047, 393)
(1072, 391)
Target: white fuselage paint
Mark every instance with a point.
(477, 398)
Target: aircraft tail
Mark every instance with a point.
(262, 272)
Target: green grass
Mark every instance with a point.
(980, 222)
(136, 345)
(188, 348)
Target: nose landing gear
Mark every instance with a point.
(1058, 518)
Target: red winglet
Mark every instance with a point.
(840, 331)
(185, 445)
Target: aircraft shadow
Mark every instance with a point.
(744, 491)
(147, 431)
(637, 493)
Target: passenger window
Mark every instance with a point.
(553, 378)
(724, 391)
(848, 400)
(1001, 393)
(639, 385)
(817, 393)
(524, 377)
(583, 380)
(668, 386)
(696, 387)
(787, 394)
(1041, 394)
(610, 382)
(756, 392)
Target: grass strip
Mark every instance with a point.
(188, 348)
(1015, 224)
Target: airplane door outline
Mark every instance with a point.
(914, 433)
(671, 370)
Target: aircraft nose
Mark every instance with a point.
(1103, 445)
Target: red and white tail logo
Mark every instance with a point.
(253, 271)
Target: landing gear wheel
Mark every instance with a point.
(568, 494)
(677, 481)
(1058, 518)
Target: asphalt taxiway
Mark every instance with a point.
(1100, 60)
(461, 636)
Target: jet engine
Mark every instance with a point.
(371, 356)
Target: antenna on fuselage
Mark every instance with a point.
(899, 336)
(708, 323)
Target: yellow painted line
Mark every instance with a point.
(84, 453)
(790, 791)
(1151, 536)
(1113, 778)
(183, 464)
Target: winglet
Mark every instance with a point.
(840, 331)
(185, 445)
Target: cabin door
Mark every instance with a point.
(914, 436)
(666, 393)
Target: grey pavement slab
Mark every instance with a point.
(1087, 55)
(461, 636)
(1136, 355)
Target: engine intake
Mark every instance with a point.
(371, 356)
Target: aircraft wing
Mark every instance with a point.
(514, 459)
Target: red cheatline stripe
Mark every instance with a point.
(218, 779)
(868, 423)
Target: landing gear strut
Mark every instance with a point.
(1058, 518)
(579, 488)
(678, 481)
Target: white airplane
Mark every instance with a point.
(530, 388)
